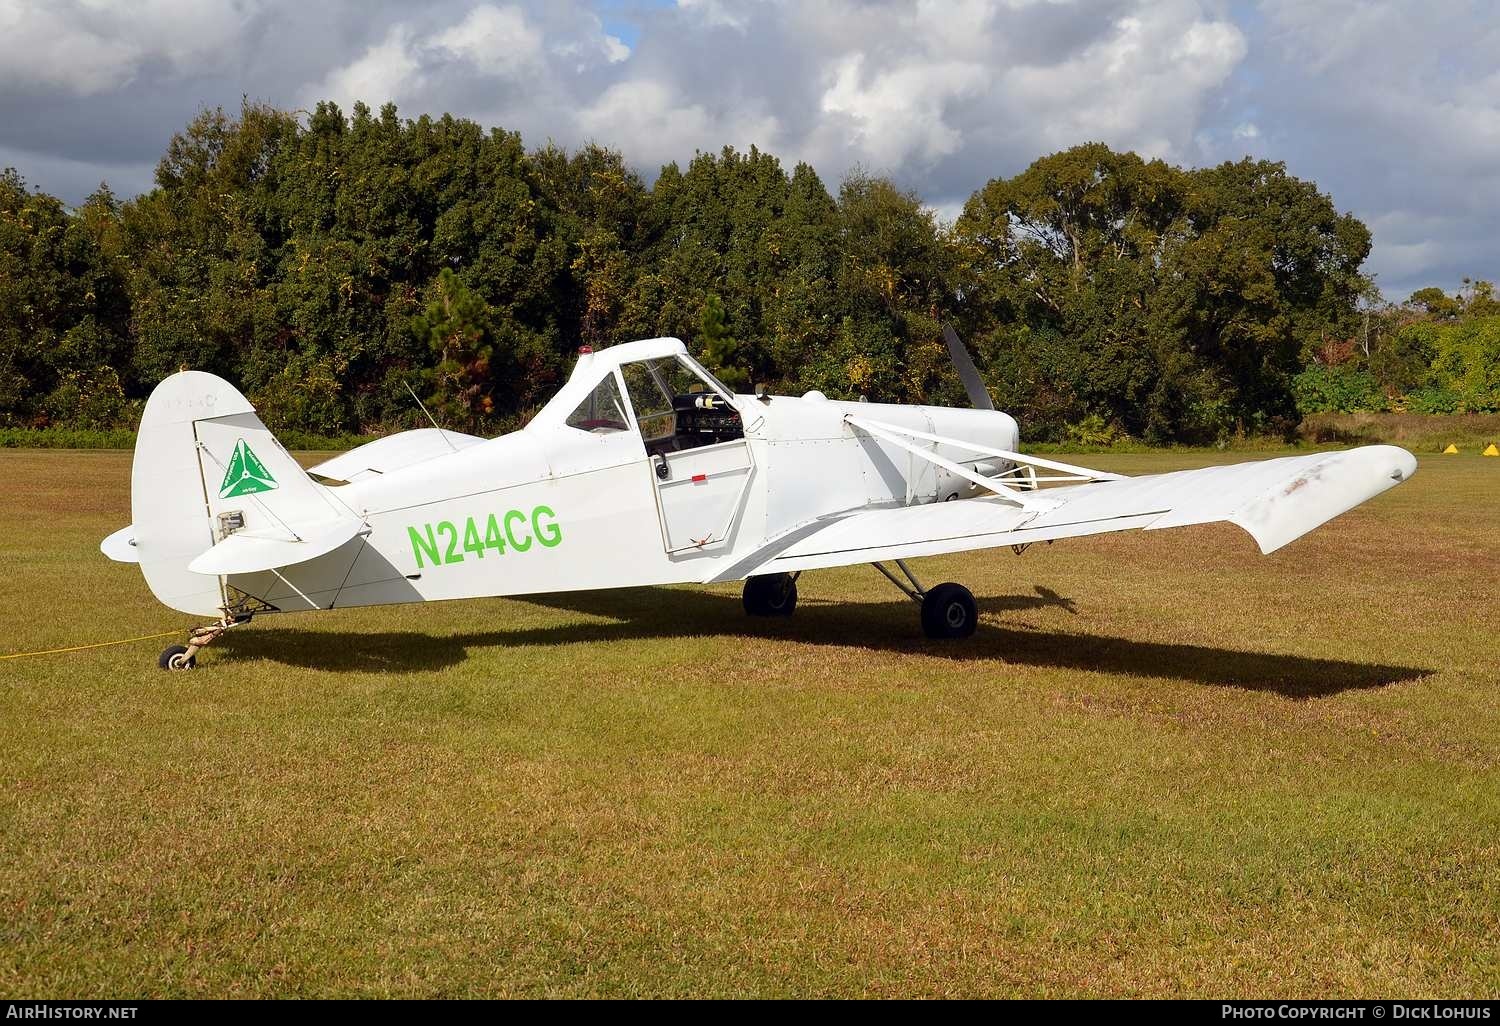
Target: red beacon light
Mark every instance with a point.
(585, 350)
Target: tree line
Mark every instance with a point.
(326, 263)
(1436, 353)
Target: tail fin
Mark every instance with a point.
(214, 493)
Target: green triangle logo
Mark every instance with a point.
(246, 474)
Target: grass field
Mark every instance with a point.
(1423, 434)
(1165, 765)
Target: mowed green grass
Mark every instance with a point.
(1165, 765)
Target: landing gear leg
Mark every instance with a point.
(948, 610)
(185, 657)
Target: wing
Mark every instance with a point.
(1276, 501)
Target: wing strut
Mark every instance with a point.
(1005, 492)
(899, 436)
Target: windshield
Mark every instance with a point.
(677, 405)
(654, 386)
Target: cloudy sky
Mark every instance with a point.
(1392, 106)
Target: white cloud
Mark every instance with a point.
(947, 213)
(86, 48)
(495, 40)
(661, 126)
(386, 71)
(491, 51)
(590, 44)
(1144, 86)
(898, 113)
(615, 49)
(716, 13)
(1395, 110)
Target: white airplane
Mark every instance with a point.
(645, 470)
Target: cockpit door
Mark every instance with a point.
(699, 461)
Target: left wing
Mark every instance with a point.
(1275, 501)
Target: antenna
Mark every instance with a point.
(441, 433)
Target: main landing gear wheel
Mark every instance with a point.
(949, 611)
(771, 595)
(175, 657)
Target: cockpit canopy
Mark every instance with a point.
(651, 387)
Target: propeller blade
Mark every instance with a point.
(967, 373)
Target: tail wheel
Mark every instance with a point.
(175, 657)
(770, 595)
(949, 611)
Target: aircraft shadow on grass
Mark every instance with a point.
(668, 613)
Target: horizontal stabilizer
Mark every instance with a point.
(120, 546)
(248, 552)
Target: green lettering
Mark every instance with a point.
(549, 534)
(453, 555)
(493, 539)
(516, 514)
(472, 541)
(420, 545)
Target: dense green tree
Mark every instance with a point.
(456, 327)
(1435, 302)
(64, 307)
(1479, 298)
(718, 348)
(1467, 364)
(325, 261)
(893, 288)
(1404, 363)
(1178, 304)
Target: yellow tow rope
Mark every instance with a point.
(97, 644)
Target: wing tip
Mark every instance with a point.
(1403, 463)
(1356, 476)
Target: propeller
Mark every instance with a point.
(967, 373)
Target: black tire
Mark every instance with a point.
(949, 611)
(770, 595)
(171, 658)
